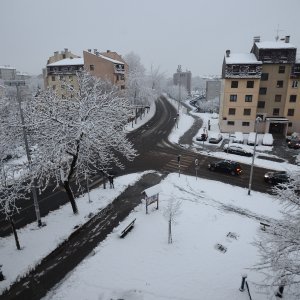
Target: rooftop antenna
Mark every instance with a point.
(277, 33)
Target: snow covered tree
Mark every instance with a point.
(81, 133)
(13, 187)
(171, 213)
(174, 92)
(279, 244)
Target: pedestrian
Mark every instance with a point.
(111, 181)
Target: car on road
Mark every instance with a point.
(202, 137)
(276, 177)
(294, 143)
(226, 166)
(215, 138)
(233, 149)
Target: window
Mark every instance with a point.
(247, 111)
(277, 98)
(262, 91)
(245, 123)
(290, 112)
(250, 84)
(293, 98)
(279, 83)
(122, 87)
(281, 69)
(53, 78)
(248, 98)
(294, 84)
(233, 98)
(234, 84)
(264, 76)
(92, 67)
(231, 123)
(231, 111)
(275, 111)
(261, 104)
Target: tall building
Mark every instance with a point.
(63, 67)
(8, 73)
(263, 83)
(183, 78)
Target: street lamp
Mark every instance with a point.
(18, 83)
(179, 84)
(257, 120)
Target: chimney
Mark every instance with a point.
(90, 50)
(66, 50)
(107, 51)
(97, 53)
(287, 38)
(227, 53)
(256, 39)
(95, 50)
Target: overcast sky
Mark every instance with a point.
(164, 33)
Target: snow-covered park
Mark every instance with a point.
(211, 250)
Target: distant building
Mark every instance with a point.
(65, 65)
(213, 88)
(263, 83)
(183, 78)
(7, 73)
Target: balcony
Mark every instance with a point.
(119, 69)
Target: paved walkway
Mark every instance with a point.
(80, 244)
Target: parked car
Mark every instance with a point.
(226, 166)
(238, 137)
(251, 139)
(268, 139)
(276, 177)
(202, 137)
(233, 149)
(215, 138)
(294, 143)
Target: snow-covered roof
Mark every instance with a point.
(7, 67)
(241, 58)
(67, 62)
(108, 58)
(153, 190)
(275, 45)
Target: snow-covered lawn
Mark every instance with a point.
(143, 266)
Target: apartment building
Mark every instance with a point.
(183, 78)
(63, 67)
(263, 83)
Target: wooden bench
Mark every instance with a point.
(127, 229)
(264, 225)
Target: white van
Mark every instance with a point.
(251, 139)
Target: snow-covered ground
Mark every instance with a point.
(143, 265)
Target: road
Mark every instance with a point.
(155, 152)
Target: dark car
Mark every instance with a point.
(276, 177)
(237, 150)
(226, 166)
(294, 143)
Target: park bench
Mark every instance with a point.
(127, 229)
(264, 225)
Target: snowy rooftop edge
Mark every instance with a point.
(108, 58)
(275, 45)
(242, 58)
(67, 62)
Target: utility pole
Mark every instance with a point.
(18, 83)
(179, 84)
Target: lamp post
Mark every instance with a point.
(257, 120)
(179, 84)
(18, 83)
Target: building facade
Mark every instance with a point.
(63, 67)
(183, 78)
(263, 83)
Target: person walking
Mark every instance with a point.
(111, 181)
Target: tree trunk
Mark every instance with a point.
(13, 227)
(71, 197)
(170, 232)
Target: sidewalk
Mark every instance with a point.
(80, 244)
